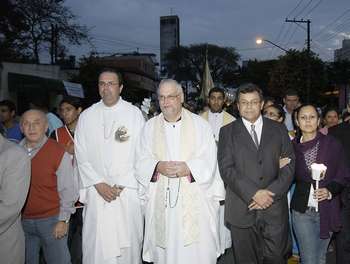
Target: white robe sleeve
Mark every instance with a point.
(203, 164)
(145, 159)
(88, 174)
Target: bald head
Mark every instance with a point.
(34, 125)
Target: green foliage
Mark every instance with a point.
(187, 63)
(27, 25)
(291, 72)
(257, 72)
(88, 77)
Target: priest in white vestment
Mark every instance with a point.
(179, 180)
(105, 143)
(217, 118)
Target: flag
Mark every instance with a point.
(207, 81)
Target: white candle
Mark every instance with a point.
(318, 172)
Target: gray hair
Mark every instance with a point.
(171, 82)
(39, 112)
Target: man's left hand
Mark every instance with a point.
(60, 229)
(254, 206)
(182, 170)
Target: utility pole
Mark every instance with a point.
(308, 45)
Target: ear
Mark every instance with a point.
(182, 98)
(262, 105)
(121, 88)
(80, 109)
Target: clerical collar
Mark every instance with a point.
(215, 112)
(173, 124)
(179, 119)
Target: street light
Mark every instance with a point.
(259, 41)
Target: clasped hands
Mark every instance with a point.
(109, 193)
(262, 199)
(173, 169)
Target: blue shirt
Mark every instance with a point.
(14, 133)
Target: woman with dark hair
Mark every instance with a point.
(274, 112)
(330, 118)
(314, 227)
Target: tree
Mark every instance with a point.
(257, 72)
(37, 23)
(291, 72)
(339, 72)
(11, 22)
(187, 63)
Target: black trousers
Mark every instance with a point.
(75, 236)
(343, 237)
(262, 243)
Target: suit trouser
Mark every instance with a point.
(261, 243)
(343, 237)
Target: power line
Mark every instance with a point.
(295, 8)
(336, 31)
(303, 9)
(313, 8)
(291, 36)
(331, 23)
(277, 39)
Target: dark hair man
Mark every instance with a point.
(216, 116)
(291, 101)
(8, 121)
(104, 144)
(69, 110)
(248, 155)
(342, 132)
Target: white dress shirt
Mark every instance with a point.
(258, 126)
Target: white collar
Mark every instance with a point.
(257, 122)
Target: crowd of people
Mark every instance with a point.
(108, 186)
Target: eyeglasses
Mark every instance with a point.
(107, 84)
(251, 103)
(271, 115)
(171, 98)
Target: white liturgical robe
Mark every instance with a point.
(197, 244)
(112, 232)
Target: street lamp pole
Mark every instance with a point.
(260, 41)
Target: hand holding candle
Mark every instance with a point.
(318, 172)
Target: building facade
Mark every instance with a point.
(169, 38)
(344, 52)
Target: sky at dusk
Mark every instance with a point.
(130, 25)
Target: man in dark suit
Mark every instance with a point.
(342, 133)
(256, 196)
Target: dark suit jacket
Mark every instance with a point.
(342, 133)
(246, 169)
